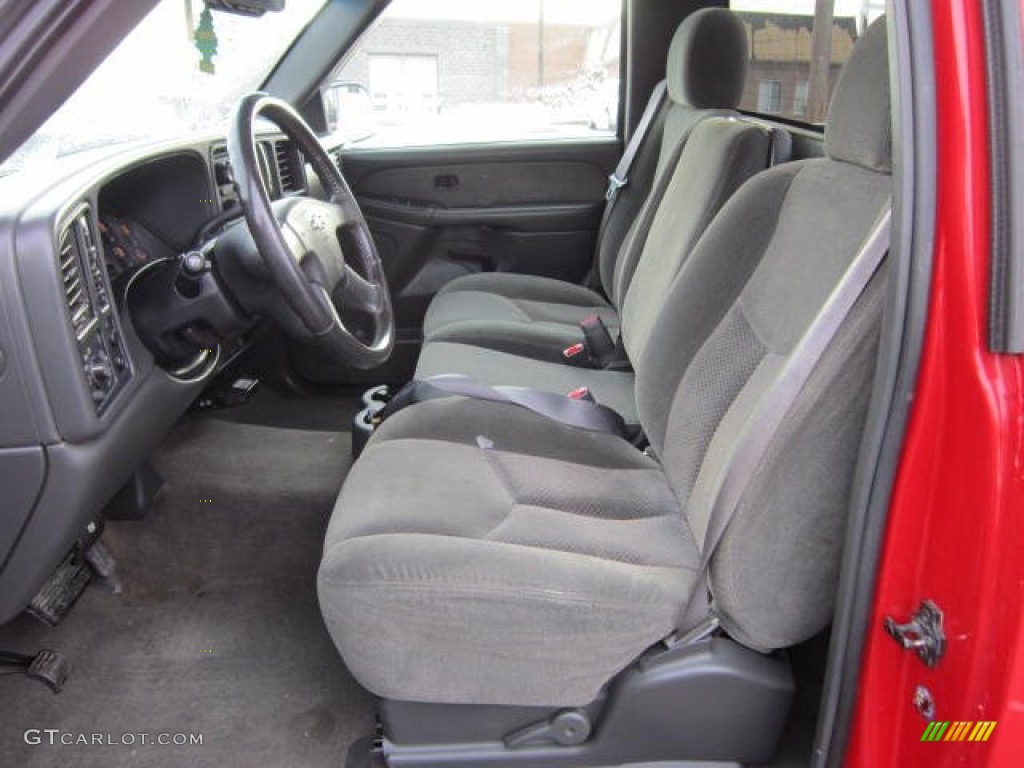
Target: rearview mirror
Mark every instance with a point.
(246, 7)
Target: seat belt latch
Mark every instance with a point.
(581, 393)
(575, 354)
(614, 185)
(598, 342)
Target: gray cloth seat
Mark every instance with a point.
(706, 73)
(508, 530)
(720, 154)
(480, 554)
(512, 312)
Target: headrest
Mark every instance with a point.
(707, 61)
(859, 127)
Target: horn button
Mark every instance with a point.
(311, 229)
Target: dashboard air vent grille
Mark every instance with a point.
(219, 153)
(289, 168)
(75, 291)
(94, 322)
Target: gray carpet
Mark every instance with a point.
(217, 631)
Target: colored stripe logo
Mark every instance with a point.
(960, 730)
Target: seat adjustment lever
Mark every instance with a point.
(567, 728)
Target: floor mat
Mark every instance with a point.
(217, 632)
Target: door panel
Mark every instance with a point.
(438, 213)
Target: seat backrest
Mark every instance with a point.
(720, 154)
(735, 312)
(705, 75)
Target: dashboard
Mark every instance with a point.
(82, 400)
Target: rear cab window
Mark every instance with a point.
(434, 72)
(797, 49)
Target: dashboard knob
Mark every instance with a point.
(193, 264)
(100, 376)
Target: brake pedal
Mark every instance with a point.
(50, 668)
(102, 562)
(55, 598)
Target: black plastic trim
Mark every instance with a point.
(709, 702)
(1005, 75)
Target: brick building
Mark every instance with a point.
(446, 64)
(780, 47)
(411, 65)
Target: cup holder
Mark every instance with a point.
(376, 396)
(363, 424)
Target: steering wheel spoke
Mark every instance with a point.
(355, 292)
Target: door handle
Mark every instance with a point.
(446, 181)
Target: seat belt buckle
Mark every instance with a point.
(614, 185)
(597, 341)
(581, 393)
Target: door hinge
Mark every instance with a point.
(922, 634)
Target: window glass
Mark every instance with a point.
(464, 71)
(154, 84)
(793, 63)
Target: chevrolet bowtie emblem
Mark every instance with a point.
(317, 221)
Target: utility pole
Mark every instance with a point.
(540, 44)
(819, 77)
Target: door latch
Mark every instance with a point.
(923, 634)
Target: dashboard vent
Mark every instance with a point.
(76, 293)
(290, 171)
(219, 153)
(223, 177)
(94, 322)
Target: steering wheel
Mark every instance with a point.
(306, 244)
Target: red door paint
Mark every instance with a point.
(956, 530)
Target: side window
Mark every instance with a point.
(466, 71)
(794, 62)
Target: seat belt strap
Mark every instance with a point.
(770, 413)
(620, 176)
(580, 413)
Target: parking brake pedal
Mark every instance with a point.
(48, 667)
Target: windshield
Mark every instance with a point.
(153, 85)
